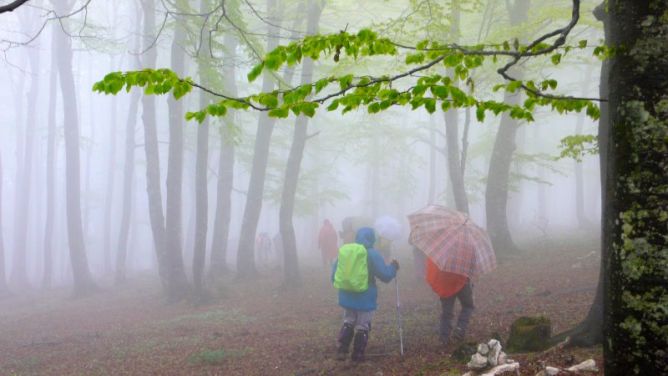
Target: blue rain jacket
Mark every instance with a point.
(366, 301)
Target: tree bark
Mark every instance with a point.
(201, 171)
(431, 195)
(253, 207)
(19, 276)
(83, 283)
(177, 283)
(590, 331)
(496, 194)
(153, 185)
(51, 156)
(451, 116)
(635, 319)
(221, 227)
(12, 6)
(3, 279)
(111, 175)
(579, 175)
(291, 264)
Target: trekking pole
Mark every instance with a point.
(401, 331)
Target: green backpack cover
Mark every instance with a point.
(352, 269)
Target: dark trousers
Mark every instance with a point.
(465, 297)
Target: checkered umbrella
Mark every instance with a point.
(452, 241)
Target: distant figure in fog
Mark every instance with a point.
(263, 248)
(328, 243)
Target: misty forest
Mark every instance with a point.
(334, 187)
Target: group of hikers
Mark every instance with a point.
(356, 266)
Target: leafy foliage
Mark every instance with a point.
(578, 146)
(347, 92)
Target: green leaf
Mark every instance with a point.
(417, 58)
(279, 113)
(430, 105)
(320, 84)
(556, 59)
(255, 72)
(333, 106)
(374, 108)
(480, 113)
(440, 91)
(345, 81)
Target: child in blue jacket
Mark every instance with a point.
(359, 306)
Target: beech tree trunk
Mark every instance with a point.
(19, 276)
(83, 283)
(496, 194)
(291, 264)
(635, 318)
(153, 185)
(51, 155)
(451, 116)
(221, 226)
(579, 175)
(253, 207)
(177, 283)
(3, 279)
(201, 171)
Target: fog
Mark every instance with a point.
(356, 164)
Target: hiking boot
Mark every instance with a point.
(345, 337)
(361, 339)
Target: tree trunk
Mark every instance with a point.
(177, 283)
(579, 175)
(590, 331)
(635, 318)
(19, 276)
(496, 194)
(83, 283)
(286, 211)
(128, 177)
(253, 207)
(451, 116)
(111, 174)
(153, 188)
(3, 279)
(221, 227)
(50, 170)
(201, 171)
(431, 195)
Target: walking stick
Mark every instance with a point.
(401, 331)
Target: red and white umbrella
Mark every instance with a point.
(452, 241)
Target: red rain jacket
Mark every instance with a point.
(445, 284)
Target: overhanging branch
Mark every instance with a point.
(12, 6)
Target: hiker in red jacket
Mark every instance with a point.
(451, 287)
(328, 243)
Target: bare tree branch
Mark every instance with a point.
(12, 6)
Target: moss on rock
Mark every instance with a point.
(530, 334)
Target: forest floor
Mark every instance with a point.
(255, 328)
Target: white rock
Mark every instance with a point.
(588, 365)
(501, 359)
(551, 371)
(477, 362)
(499, 370)
(483, 349)
(494, 351)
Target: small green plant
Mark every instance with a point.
(213, 357)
